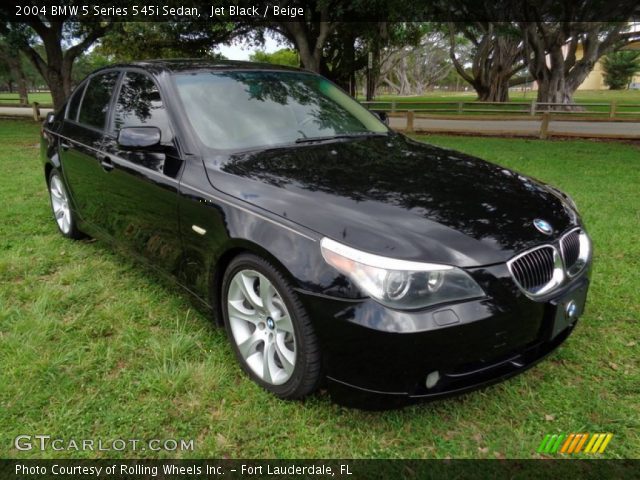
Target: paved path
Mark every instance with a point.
(527, 127)
(22, 112)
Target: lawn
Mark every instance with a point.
(93, 346)
(621, 96)
(43, 98)
(628, 102)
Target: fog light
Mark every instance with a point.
(432, 379)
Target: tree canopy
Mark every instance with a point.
(556, 43)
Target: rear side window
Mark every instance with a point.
(95, 104)
(140, 105)
(74, 103)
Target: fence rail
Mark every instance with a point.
(10, 100)
(32, 110)
(543, 125)
(611, 110)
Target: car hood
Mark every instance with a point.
(397, 197)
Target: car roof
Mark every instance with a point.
(194, 64)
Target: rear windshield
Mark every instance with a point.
(238, 110)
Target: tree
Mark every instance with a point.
(309, 36)
(15, 72)
(87, 63)
(409, 70)
(327, 39)
(146, 40)
(563, 42)
(284, 56)
(485, 45)
(327, 24)
(620, 67)
(63, 41)
(384, 37)
(496, 51)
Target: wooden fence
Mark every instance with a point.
(543, 126)
(24, 110)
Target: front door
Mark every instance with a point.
(143, 184)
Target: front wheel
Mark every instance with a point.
(268, 328)
(61, 206)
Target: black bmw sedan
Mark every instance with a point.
(333, 250)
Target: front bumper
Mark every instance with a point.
(376, 357)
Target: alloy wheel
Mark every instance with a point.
(60, 204)
(261, 326)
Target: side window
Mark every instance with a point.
(95, 105)
(74, 103)
(139, 105)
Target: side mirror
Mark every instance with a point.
(131, 138)
(382, 116)
(49, 118)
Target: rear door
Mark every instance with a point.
(81, 138)
(142, 187)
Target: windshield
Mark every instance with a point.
(231, 110)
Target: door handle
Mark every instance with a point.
(65, 146)
(105, 163)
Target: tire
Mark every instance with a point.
(283, 356)
(63, 215)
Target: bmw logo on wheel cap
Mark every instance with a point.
(543, 226)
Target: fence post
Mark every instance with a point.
(36, 111)
(393, 107)
(532, 109)
(612, 109)
(460, 107)
(409, 121)
(544, 126)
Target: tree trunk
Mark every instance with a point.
(309, 39)
(56, 86)
(496, 59)
(23, 91)
(556, 85)
(496, 91)
(17, 74)
(373, 73)
(552, 51)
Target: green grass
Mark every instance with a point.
(621, 97)
(94, 346)
(43, 98)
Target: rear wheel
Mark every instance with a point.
(268, 328)
(61, 207)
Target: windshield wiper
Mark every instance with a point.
(340, 135)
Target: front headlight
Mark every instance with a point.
(400, 284)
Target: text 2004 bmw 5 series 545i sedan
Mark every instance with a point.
(331, 248)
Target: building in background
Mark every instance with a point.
(595, 80)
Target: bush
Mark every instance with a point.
(620, 67)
